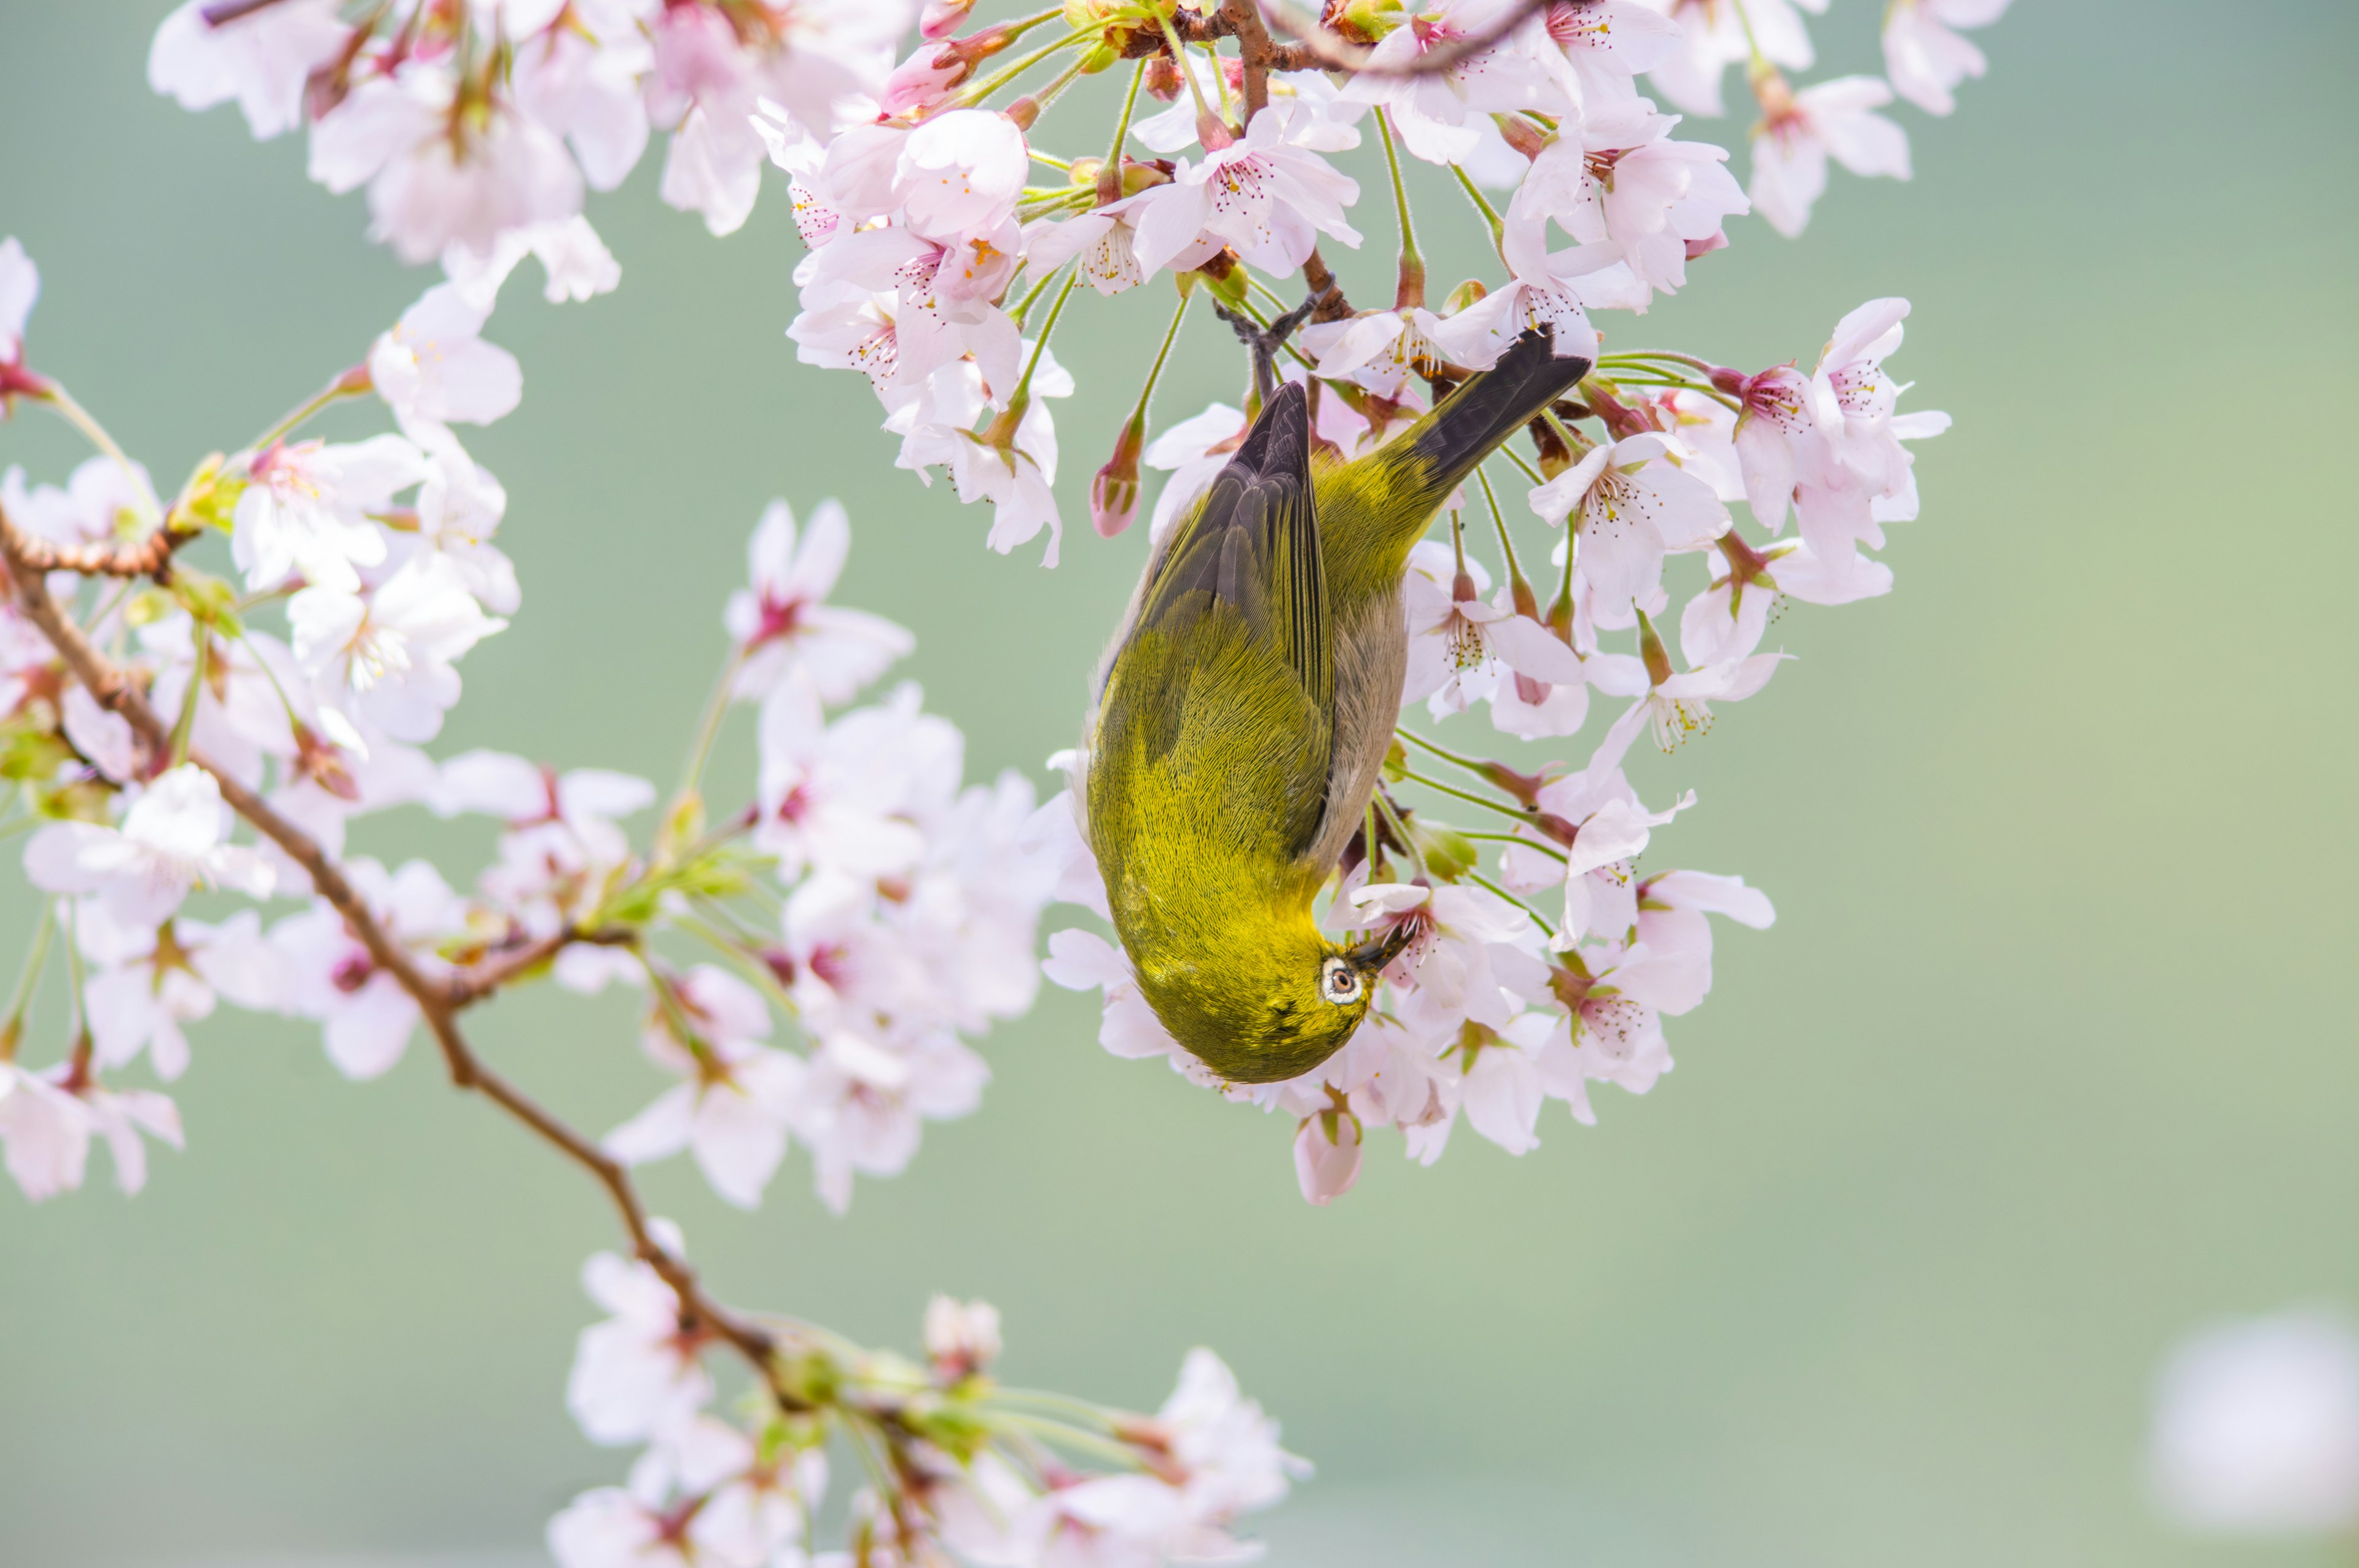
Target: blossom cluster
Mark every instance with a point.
(980, 1471)
(1556, 969)
(476, 128)
(899, 916)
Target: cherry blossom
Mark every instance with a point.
(263, 59)
(783, 622)
(306, 508)
(1269, 195)
(20, 287)
(174, 837)
(434, 368)
(1925, 58)
(1799, 131)
(331, 977)
(384, 657)
(44, 1132)
(637, 1371)
(1430, 108)
(732, 1113)
(1634, 505)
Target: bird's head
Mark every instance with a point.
(1271, 1003)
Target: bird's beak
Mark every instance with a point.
(1371, 956)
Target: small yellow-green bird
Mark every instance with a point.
(1244, 710)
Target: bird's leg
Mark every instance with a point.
(1264, 343)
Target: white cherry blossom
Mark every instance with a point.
(783, 624)
(173, 837)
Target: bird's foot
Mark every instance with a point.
(1263, 342)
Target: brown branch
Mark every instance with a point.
(1254, 48)
(1194, 27)
(150, 556)
(496, 969)
(1339, 54)
(437, 1001)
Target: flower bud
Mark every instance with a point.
(1448, 853)
(1214, 131)
(1114, 494)
(1163, 83)
(1025, 111)
(940, 19)
(1360, 21)
(1522, 134)
(1466, 294)
(1651, 649)
(962, 1337)
(1327, 1155)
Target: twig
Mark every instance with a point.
(699, 1312)
(1341, 55)
(149, 554)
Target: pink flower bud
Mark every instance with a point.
(940, 19)
(1114, 494)
(1327, 1156)
(1213, 131)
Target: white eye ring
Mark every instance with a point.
(1339, 982)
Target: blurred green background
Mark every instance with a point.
(2046, 1060)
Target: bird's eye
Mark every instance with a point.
(1339, 982)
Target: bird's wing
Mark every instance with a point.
(1253, 546)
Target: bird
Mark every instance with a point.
(1245, 707)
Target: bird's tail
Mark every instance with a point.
(1486, 409)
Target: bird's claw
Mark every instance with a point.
(1263, 342)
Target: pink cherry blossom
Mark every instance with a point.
(732, 1113)
(1634, 504)
(1925, 58)
(1799, 131)
(262, 60)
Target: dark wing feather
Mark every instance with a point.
(1253, 546)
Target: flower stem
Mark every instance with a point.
(1516, 585)
(1110, 176)
(1002, 78)
(1410, 290)
(1040, 344)
(335, 391)
(74, 414)
(1549, 850)
(1468, 795)
(1483, 205)
(1479, 880)
(1155, 372)
(28, 981)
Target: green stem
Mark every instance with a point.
(1549, 850)
(1529, 472)
(708, 727)
(1483, 205)
(187, 720)
(1515, 572)
(74, 414)
(1122, 125)
(1412, 264)
(1155, 372)
(333, 392)
(1517, 813)
(1479, 880)
(1040, 344)
(1179, 58)
(1221, 83)
(1639, 356)
(975, 94)
(1024, 306)
(1480, 769)
(29, 981)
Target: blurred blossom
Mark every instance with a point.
(2257, 1426)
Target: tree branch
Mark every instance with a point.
(1339, 54)
(437, 1001)
(151, 554)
